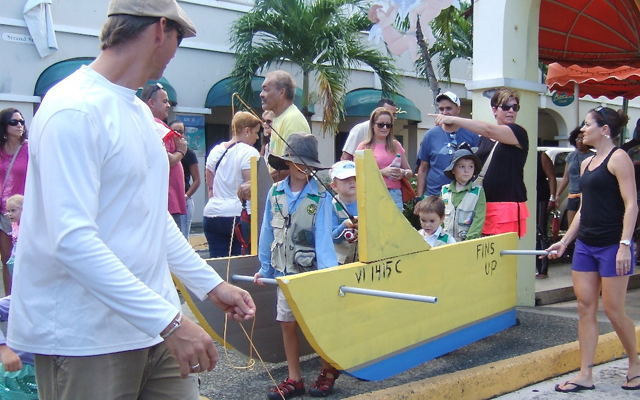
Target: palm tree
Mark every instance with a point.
(454, 37)
(321, 36)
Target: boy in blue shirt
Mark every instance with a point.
(296, 237)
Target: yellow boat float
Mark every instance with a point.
(435, 300)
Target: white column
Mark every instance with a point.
(505, 53)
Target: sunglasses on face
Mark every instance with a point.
(507, 107)
(174, 25)
(15, 122)
(382, 125)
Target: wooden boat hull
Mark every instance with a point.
(374, 338)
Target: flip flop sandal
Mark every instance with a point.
(576, 388)
(626, 387)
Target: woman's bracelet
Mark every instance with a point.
(563, 243)
(181, 152)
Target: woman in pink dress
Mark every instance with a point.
(14, 155)
(385, 150)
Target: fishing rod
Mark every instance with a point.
(310, 170)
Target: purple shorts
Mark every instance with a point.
(599, 259)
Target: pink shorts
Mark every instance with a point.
(506, 217)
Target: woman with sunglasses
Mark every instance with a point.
(504, 148)
(603, 258)
(14, 155)
(385, 150)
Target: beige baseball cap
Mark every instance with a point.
(154, 8)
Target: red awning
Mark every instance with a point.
(587, 33)
(596, 81)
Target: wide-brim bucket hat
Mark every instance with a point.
(301, 148)
(462, 154)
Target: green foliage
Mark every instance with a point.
(454, 38)
(321, 36)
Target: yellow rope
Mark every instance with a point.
(251, 363)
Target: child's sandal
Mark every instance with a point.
(287, 389)
(323, 386)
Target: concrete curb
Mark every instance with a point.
(506, 376)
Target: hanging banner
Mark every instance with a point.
(194, 132)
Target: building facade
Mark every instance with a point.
(197, 77)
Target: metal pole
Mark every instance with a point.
(390, 295)
(245, 278)
(527, 252)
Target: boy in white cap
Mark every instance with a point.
(296, 237)
(344, 231)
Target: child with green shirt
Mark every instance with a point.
(465, 202)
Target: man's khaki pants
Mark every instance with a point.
(146, 374)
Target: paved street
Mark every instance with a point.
(539, 328)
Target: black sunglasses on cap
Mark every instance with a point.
(507, 107)
(15, 122)
(600, 111)
(465, 146)
(157, 87)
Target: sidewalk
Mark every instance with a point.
(607, 377)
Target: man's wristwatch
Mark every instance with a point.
(175, 324)
(626, 242)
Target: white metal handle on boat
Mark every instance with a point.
(527, 252)
(245, 278)
(390, 295)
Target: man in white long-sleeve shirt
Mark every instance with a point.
(93, 294)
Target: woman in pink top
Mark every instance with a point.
(385, 150)
(14, 155)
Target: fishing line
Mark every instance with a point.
(292, 151)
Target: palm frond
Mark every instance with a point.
(321, 36)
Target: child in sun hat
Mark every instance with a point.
(296, 237)
(464, 200)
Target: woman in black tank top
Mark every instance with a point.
(603, 256)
